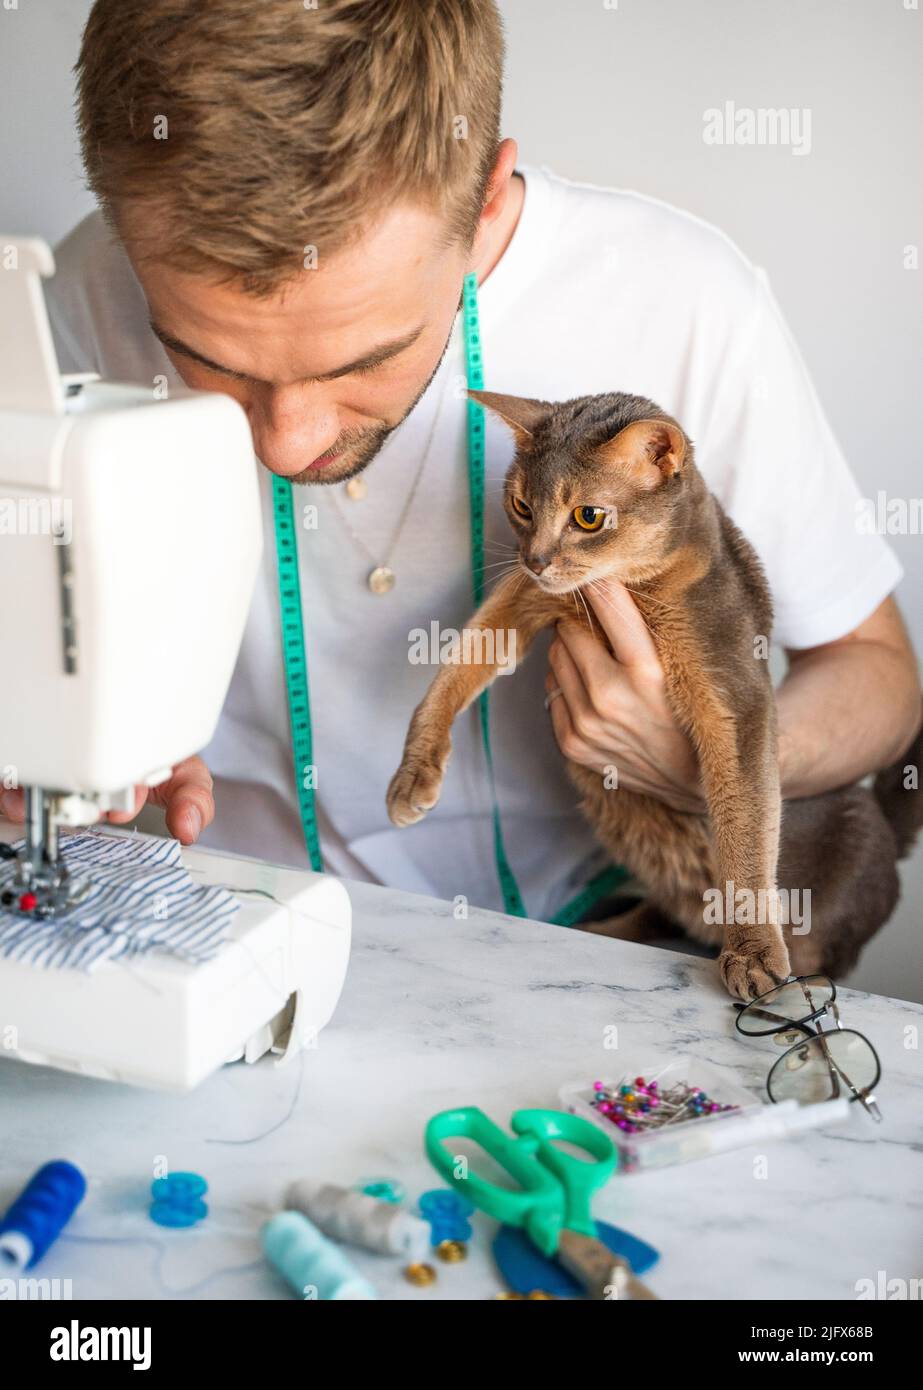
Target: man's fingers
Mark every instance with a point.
(187, 799)
(13, 804)
(570, 680)
(572, 717)
(561, 721)
(599, 673)
(577, 749)
(624, 626)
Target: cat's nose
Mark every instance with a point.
(537, 563)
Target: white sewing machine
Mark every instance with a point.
(130, 538)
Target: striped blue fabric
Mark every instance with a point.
(141, 899)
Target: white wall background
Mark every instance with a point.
(614, 91)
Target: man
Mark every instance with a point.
(294, 196)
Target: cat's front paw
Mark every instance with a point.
(753, 970)
(415, 787)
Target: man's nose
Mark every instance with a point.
(290, 430)
(537, 562)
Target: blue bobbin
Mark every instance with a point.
(178, 1199)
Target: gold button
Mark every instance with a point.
(451, 1251)
(420, 1274)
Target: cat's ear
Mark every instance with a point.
(653, 451)
(521, 414)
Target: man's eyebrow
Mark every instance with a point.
(380, 354)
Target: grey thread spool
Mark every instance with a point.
(358, 1219)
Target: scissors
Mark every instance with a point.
(553, 1203)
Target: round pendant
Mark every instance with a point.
(381, 580)
(356, 489)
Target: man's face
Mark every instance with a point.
(328, 366)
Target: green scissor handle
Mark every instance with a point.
(556, 1187)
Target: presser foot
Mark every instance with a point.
(40, 884)
(42, 893)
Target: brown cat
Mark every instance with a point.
(605, 487)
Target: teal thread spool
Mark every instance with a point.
(308, 1261)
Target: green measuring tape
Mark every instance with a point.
(474, 371)
(296, 665)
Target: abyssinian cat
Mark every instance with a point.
(606, 487)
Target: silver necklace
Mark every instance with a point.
(381, 578)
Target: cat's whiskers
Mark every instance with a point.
(608, 596)
(589, 620)
(510, 565)
(603, 586)
(510, 550)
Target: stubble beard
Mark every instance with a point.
(367, 443)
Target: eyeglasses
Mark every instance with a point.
(825, 1062)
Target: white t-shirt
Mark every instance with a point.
(598, 291)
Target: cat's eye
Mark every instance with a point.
(589, 518)
(521, 508)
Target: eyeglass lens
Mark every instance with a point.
(789, 1003)
(824, 1067)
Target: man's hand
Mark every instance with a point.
(846, 708)
(612, 710)
(186, 797)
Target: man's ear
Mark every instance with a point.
(653, 451)
(521, 414)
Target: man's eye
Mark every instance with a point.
(372, 367)
(521, 508)
(589, 518)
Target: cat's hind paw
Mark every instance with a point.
(748, 973)
(415, 789)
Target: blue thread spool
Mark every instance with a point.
(40, 1213)
(311, 1262)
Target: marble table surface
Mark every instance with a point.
(499, 1013)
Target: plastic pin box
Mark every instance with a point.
(670, 1143)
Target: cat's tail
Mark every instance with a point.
(900, 796)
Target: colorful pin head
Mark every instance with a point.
(639, 1106)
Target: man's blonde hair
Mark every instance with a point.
(236, 135)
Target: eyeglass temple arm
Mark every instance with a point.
(836, 1071)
